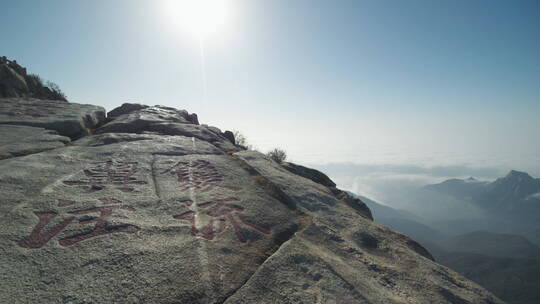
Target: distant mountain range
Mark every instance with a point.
(487, 231)
(517, 192)
(510, 204)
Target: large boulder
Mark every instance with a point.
(68, 119)
(165, 121)
(158, 209)
(312, 174)
(125, 108)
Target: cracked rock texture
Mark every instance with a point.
(152, 207)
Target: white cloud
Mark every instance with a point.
(534, 196)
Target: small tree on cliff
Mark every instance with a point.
(56, 91)
(278, 155)
(242, 141)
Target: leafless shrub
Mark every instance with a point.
(242, 141)
(38, 81)
(56, 91)
(278, 155)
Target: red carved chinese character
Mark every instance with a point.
(221, 213)
(40, 235)
(101, 226)
(198, 175)
(118, 173)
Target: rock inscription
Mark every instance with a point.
(218, 215)
(198, 175)
(43, 232)
(120, 174)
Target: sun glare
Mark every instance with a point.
(199, 17)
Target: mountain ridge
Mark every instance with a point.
(518, 184)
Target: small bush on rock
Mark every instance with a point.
(242, 141)
(37, 80)
(278, 155)
(56, 91)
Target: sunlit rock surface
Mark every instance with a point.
(156, 208)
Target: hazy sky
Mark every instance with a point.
(371, 82)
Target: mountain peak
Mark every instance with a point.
(513, 174)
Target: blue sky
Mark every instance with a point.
(403, 82)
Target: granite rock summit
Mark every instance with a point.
(148, 205)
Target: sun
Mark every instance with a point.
(201, 18)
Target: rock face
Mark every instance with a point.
(156, 208)
(68, 119)
(15, 83)
(126, 108)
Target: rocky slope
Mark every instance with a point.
(16, 82)
(149, 206)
